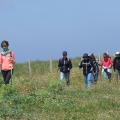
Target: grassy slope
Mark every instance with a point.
(43, 97)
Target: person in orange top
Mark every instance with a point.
(7, 61)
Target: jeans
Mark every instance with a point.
(88, 80)
(105, 75)
(65, 76)
(96, 77)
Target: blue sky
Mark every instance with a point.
(42, 29)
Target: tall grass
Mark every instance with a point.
(45, 97)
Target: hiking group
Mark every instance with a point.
(90, 66)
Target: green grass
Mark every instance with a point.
(44, 97)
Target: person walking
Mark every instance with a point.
(7, 61)
(106, 65)
(65, 65)
(116, 65)
(96, 68)
(88, 67)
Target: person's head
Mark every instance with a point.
(117, 54)
(5, 45)
(85, 56)
(92, 56)
(64, 54)
(105, 56)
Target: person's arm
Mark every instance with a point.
(0, 62)
(59, 65)
(81, 64)
(70, 64)
(110, 64)
(92, 66)
(13, 58)
(97, 66)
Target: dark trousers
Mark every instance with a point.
(117, 74)
(7, 75)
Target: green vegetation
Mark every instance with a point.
(44, 97)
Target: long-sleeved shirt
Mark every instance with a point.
(116, 63)
(7, 62)
(106, 63)
(87, 66)
(65, 65)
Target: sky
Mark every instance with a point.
(42, 29)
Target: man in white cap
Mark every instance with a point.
(116, 65)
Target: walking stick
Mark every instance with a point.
(11, 75)
(11, 71)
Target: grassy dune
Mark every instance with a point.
(44, 97)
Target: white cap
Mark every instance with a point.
(117, 53)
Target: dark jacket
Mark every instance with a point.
(96, 67)
(116, 63)
(65, 65)
(87, 66)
